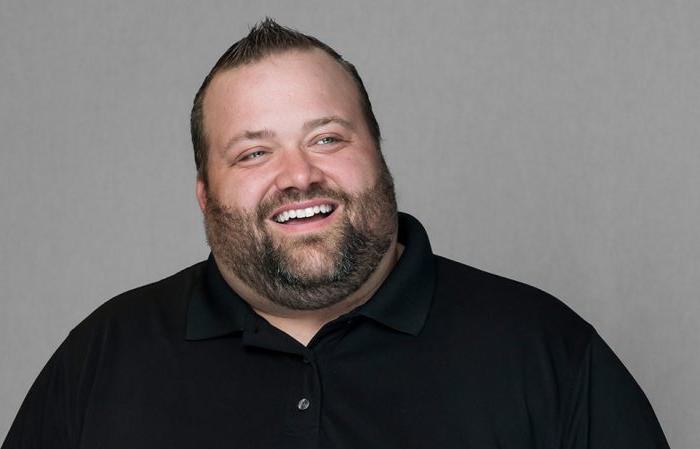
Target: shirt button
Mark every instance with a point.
(303, 404)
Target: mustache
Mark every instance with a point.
(281, 198)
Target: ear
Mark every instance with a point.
(201, 191)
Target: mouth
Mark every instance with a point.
(305, 216)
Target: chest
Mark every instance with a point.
(347, 391)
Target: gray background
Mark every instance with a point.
(554, 142)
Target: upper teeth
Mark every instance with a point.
(302, 213)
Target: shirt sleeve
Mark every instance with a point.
(607, 408)
(42, 420)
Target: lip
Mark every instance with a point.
(309, 226)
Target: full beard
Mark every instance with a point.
(306, 272)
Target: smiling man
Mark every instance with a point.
(298, 203)
(322, 319)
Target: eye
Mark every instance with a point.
(327, 140)
(253, 155)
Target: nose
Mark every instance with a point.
(297, 171)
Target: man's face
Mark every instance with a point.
(299, 204)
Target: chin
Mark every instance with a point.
(312, 262)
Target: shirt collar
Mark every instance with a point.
(403, 300)
(401, 303)
(215, 309)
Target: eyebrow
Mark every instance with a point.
(316, 123)
(248, 135)
(308, 126)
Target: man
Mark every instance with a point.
(322, 318)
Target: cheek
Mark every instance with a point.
(243, 194)
(354, 175)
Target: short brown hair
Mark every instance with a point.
(266, 38)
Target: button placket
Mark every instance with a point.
(309, 372)
(304, 398)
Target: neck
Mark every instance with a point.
(302, 325)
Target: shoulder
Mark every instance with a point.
(479, 289)
(159, 307)
(505, 309)
(134, 330)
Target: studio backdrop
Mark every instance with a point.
(551, 142)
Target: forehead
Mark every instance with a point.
(280, 89)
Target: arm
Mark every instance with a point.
(606, 407)
(43, 419)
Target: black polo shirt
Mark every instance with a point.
(443, 356)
